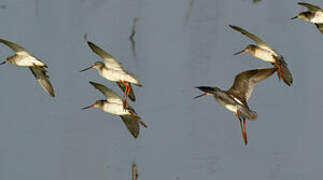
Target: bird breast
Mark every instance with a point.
(25, 60)
(318, 18)
(115, 108)
(229, 106)
(264, 55)
(117, 75)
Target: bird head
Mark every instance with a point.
(207, 91)
(97, 104)
(303, 15)
(250, 48)
(96, 65)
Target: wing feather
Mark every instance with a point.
(244, 82)
(132, 125)
(107, 92)
(15, 47)
(310, 7)
(109, 60)
(253, 37)
(40, 74)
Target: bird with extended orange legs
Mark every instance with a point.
(265, 53)
(235, 99)
(111, 70)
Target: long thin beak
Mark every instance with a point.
(87, 68)
(4, 62)
(204, 94)
(207, 90)
(240, 52)
(294, 17)
(88, 107)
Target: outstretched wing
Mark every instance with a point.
(40, 74)
(15, 47)
(132, 125)
(108, 93)
(244, 82)
(310, 7)
(109, 60)
(253, 37)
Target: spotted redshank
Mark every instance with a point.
(313, 15)
(113, 71)
(113, 104)
(23, 58)
(235, 99)
(265, 53)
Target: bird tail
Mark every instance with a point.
(287, 75)
(247, 113)
(284, 71)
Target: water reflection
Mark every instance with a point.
(256, 1)
(188, 11)
(132, 35)
(37, 7)
(134, 171)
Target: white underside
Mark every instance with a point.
(23, 60)
(117, 75)
(115, 108)
(232, 108)
(264, 55)
(318, 18)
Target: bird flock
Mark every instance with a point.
(234, 99)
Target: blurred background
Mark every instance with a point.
(179, 45)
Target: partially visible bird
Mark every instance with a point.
(113, 104)
(23, 58)
(111, 70)
(313, 15)
(235, 99)
(265, 53)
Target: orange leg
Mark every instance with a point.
(243, 128)
(134, 115)
(279, 71)
(244, 132)
(126, 93)
(138, 119)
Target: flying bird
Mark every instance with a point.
(113, 104)
(24, 59)
(235, 99)
(111, 70)
(313, 15)
(265, 53)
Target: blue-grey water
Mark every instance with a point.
(45, 138)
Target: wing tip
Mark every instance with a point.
(89, 42)
(232, 26)
(94, 83)
(139, 85)
(52, 94)
(302, 3)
